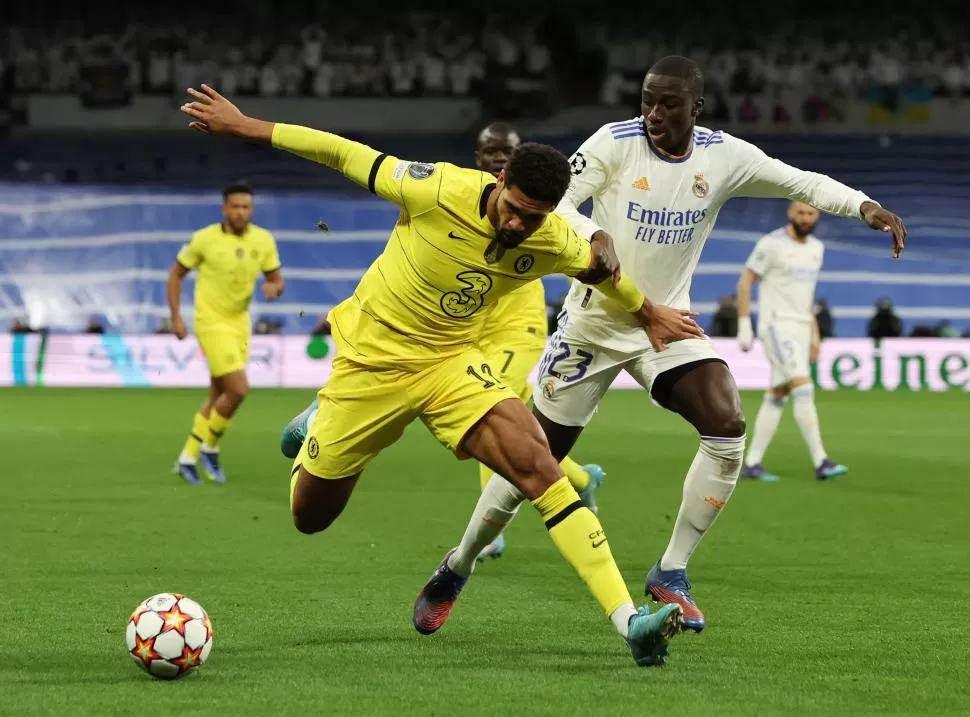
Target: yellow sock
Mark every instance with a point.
(217, 427)
(579, 536)
(200, 429)
(484, 474)
(578, 478)
(575, 473)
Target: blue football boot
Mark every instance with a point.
(757, 472)
(293, 435)
(495, 549)
(827, 469)
(588, 494)
(188, 473)
(210, 466)
(671, 587)
(649, 635)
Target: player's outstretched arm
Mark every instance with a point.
(762, 176)
(212, 113)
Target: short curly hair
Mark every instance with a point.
(236, 188)
(541, 172)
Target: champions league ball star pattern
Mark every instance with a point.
(169, 636)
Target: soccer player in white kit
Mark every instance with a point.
(658, 182)
(787, 262)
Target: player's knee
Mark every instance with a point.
(236, 395)
(309, 522)
(730, 424)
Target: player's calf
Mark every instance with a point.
(508, 438)
(707, 396)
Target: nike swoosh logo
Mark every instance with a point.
(452, 235)
(596, 545)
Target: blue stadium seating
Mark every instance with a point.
(86, 234)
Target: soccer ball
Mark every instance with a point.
(169, 636)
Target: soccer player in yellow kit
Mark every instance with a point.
(514, 334)
(407, 348)
(230, 256)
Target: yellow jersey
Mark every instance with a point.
(422, 299)
(229, 266)
(521, 312)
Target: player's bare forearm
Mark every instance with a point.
(255, 130)
(274, 285)
(744, 298)
(747, 280)
(173, 289)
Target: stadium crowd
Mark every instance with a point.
(455, 54)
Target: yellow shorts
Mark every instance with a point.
(363, 410)
(514, 354)
(226, 349)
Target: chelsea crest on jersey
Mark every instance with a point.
(660, 210)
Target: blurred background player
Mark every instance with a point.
(515, 333)
(787, 262)
(230, 256)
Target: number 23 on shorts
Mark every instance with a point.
(558, 363)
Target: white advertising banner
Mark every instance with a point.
(934, 364)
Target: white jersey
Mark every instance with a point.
(660, 209)
(789, 270)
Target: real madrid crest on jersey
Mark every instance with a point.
(578, 163)
(701, 187)
(419, 170)
(524, 263)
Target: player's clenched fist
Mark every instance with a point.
(178, 328)
(603, 263)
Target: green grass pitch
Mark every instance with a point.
(840, 598)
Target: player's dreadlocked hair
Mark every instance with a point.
(541, 172)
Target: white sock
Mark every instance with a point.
(185, 458)
(765, 425)
(621, 618)
(209, 449)
(807, 418)
(707, 488)
(496, 507)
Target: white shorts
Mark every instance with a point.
(574, 374)
(787, 345)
